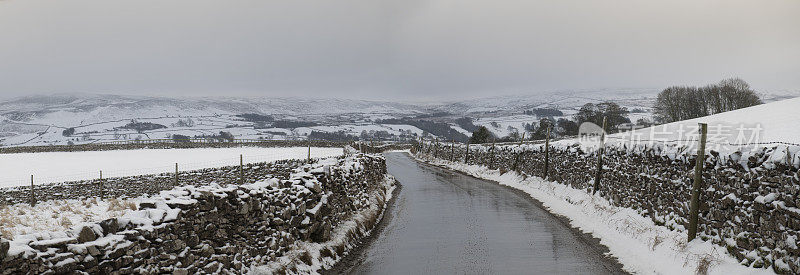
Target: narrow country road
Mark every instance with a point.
(444, 222)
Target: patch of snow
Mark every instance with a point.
(766, 199)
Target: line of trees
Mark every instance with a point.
(678, 103)
(674, 103)
(544, 112)
(594, 113)
(141, 127)
(439, 129)
(331, 136)
(466, 124)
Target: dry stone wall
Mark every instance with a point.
(750, 206)
(134, 186)
(209, 228)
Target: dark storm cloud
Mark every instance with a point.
(438, 49)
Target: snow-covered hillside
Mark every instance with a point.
(562, 100)
(766, 123)
(42, 120)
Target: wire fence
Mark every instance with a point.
(169, 143)
(689, 143)
(47, 178)
(78, 184)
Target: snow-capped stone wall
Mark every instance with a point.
(749, 204)
(209, 228)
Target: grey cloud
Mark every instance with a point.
(437, 49)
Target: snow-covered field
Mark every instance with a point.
(16, 169)
(506, 124)
(641, 246)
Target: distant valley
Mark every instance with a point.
(89, 118)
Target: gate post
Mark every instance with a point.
(698, 180)
(600, 158)
(547, 153)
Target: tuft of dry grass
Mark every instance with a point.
(89, 202)
(5, 233)
(305, 257)
(118, 205)
(704, 264)
(680, 243)
(65, 222)
(657, 239)
(7, 220)
(704, 261)
(326, 253)
(114, 205)
(66, 208)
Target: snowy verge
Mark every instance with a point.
(56, 215)
(305, 257)
(640, 245)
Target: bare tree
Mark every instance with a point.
(684, 102)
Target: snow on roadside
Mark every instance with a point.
(640, 245)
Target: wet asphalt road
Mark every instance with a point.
(444, 222)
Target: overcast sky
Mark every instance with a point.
(403, 49)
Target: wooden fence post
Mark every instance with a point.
(101, 185)
(176, 174)
(452, 149)
(429, 150)
(428, 147)
(491, 159)
(309, 152)
(241, 170)
(33, 195)
(698, 180)
(519, 154)
(547, 153)
(600, 153)
(466, 156)
(435, 147)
